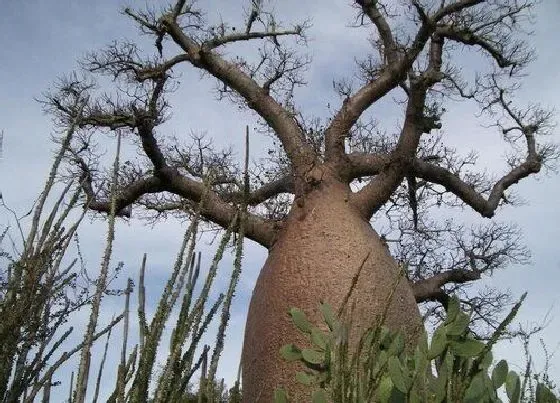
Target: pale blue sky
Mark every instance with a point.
(41, 39)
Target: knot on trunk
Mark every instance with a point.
(315, 176)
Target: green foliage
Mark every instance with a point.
(453, 367)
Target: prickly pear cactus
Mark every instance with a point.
(453, 367)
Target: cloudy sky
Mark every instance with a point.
(42, 39)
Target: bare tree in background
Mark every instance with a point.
(316, 227)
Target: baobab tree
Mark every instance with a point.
(308, 209)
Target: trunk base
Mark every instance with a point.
(317, 259)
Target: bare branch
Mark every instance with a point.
(456, 7)
(486, 207)
(430, 288)
(256, 97)
(372, 196)
(463, 21)
(214, 208)
(126, 196)
(265, 192)
(361, 164)
(390, 78)
(253, 15)
(372, 10)
(247, 36)
(468, 37)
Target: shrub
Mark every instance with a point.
(453, 367)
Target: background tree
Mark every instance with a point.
(311, 203)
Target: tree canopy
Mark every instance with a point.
(402, 174)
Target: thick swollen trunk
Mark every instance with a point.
(315, 258)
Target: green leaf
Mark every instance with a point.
(453, 308)
(319, 396)
(489, 386)
(300, 320)
(385, 337)
(384, 389)
(475, 391)
(313, 356)
(420, 360)
(290, 352)
(499, 374)
(414, 396)
(328, 315)
(305, 378)
(397, 376)
(459, 325)
(439, 342)
(545, 395)
(280, 396)
(397, 345)
(322, 376)
(340, 334)
(318, 338)
(380, 362)
(513, 387)
(487, 360)
(439, 388)
(467, 348)
(328, 355)
(423, 342)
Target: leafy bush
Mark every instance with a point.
(453, 367)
